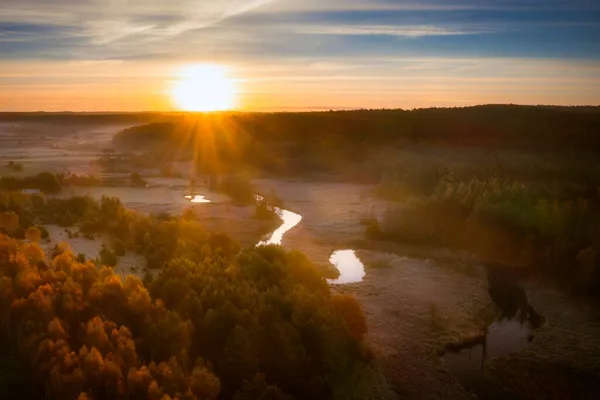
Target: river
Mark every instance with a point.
(347, 263)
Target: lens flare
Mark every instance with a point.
(203, 87)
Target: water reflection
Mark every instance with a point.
(350, 267)
(505, 337)
(509, 296)
(289, 219)
(198, 198)
(502, 337)
(510, 331)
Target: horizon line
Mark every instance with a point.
(297, 109)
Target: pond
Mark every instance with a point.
(198, 198)
(511, 331)
(350, 267)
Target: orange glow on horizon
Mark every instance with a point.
(131, 86)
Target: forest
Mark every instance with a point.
(358, 145)
(504, 126)
(217, 321)
(539, 215)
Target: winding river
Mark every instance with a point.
(347, 263)
(289, 220)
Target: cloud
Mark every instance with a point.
(205, 14)
(121, 29)
(106, 21)
(107, 31)
(390, 30)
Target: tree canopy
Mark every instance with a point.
(252, 325)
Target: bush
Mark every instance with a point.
(119, 247)
(373, 230)
(238, 188)
(33, 234)
(189, 215)
(164, 216)
(137, 180)
(44, 232)
(45, 181)
(19, 233)
(37, 201)
(265, 211)
(107, 257)
(15, 166)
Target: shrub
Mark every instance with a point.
(107, 257)
(15, 166)
(119, 247)
(137, 180)
(44, 232)
(33, 234)
(265, 211)
(19, 233)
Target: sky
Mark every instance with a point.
(124, 55)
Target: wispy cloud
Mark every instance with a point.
(106, 21)
(107, 31)
(390, 30)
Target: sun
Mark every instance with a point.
(203, 87)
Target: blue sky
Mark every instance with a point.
(121, 54)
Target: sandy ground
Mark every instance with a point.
(130, 263)
(90, 248)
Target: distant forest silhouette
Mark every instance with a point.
(506, 126)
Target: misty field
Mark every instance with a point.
(428, 220)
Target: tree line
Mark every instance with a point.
(542, 217)
(352, 142)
